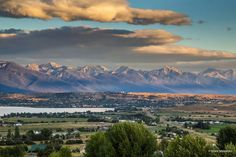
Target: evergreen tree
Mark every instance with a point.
(9, 134)
(17, 132)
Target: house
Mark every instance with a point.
(18, 124)
(59, 134)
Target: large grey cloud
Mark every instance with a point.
(103, 45)
(82, 38)
(95, 10)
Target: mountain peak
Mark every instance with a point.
(37, 67)
(220, 74)
(168, 69)
(209, 70)
(90, 67)
(34, 67)
(3, 64)
(122, 69)
(54, 64)
(93, 69)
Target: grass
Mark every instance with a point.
(214, 128)
(61, 125)
(77, 155)
(157, 128)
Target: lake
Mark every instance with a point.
(8, 110)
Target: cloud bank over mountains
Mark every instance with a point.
(101, 45)
(94, 10)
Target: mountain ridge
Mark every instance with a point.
(56, 78)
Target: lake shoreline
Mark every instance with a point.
(4, 110)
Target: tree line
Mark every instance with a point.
(134, 140)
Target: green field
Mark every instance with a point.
(54, 126)
(215, 128)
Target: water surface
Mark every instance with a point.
(8, 110)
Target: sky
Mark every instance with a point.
(142, 34)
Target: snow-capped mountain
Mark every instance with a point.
(220, 74)
(90, 71)
(14, 77)
(50, 68)
(53, 77)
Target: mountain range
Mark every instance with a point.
(56, 78)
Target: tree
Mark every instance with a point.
(202, 125)
(77, 135)
(16, 151)
(65, 152)
(46, 134)
(226, 136)
(99, 146)
(157, 119)
(56, 144)
(188, 146)
(9, 134)
(17, 132)
(122, 140)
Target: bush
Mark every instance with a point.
(63, 152)
(232, 150)
(202, 125)
(74, 142)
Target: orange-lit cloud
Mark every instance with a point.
(154, 36)
(4, 35)
(94, 10)
(183, 50)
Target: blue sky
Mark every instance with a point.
(218, 15)
(216, 32)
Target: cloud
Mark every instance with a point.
(199, 65)
(201, 22)
(83, 38)
(154, 36)
(184, 50)
(229, 28)
(3, 35)
(94, 10)
(95, 45)
(10, 33)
